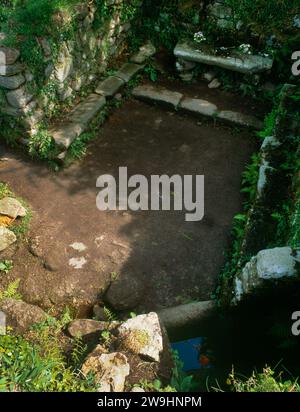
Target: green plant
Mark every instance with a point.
(266, 381)
(152, 72)
(109, 314)
(78, 353)
(42, 145)
(11, 292)
(37, 367)
(106, 336)
(6, 266)
(155, 386)
(249, 179)
(181, 381)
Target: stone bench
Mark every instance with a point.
(238, 62)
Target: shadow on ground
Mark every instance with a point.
(176, 261)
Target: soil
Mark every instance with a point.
(179, 261)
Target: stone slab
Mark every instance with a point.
(110, 86)
(240, 119)
(86, 110)
(128, 71)
(198, 107)
(12, 82)
(78, 120)
(158, 95)
(11, 69)
(236, 62)
(64, 134)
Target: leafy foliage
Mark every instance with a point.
(266, 381)
(39, 365)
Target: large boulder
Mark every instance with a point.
(110, 369)
(126, 292)
(143, 335)
(20, 315)
(268, 265)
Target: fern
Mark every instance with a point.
(78, 353)
(110, 315)
(12, 291)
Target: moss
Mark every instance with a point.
(135, 340)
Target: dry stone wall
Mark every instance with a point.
(70, 67)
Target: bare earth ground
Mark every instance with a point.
(176, 260)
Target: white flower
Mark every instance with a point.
(245, 48)
(199, 37)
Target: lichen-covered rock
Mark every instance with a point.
(20, 315)
(143, 335)
(7, 238)
(110, 369)
(268, 265)
(11, 207)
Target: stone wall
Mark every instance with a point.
(269, 264)
(69, 68)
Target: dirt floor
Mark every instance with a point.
(175, 260)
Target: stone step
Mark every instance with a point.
(237, 62)
(110, 86)
(128, 71)
(77, 121)
(158, 95)
(195, 107)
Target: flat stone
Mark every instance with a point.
(11, 70)
(143, 335)
(236, 62)
(18, 98)
(209, 75)
(82, 327)
(8, 55)
(158, 95)
(12, 82)
(7, 238)
(85, 111)
(198, 107)
(78, 120)
(20, 315)
(110, 369)
(128, 71)
(214, 84)
(64, 134)
(11, 111)
(144, 53)
(110, 86)
(12, 207)
(240, 119)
